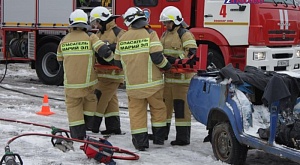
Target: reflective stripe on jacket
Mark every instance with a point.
(76, 50)
(110, 37)
(143, 78)
(178, 47)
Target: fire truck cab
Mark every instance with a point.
(261, 33)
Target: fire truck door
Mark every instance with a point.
(18, 13)
(231, 20)
(50, 14)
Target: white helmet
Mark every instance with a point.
(78, 16)
(132, 14)
(171, 13)
(101, 13)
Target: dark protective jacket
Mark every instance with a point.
(276, 86)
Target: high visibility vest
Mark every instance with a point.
(143, 78)
(76, 50)
(177, 43)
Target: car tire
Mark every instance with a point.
(215, 59)
(226, 147)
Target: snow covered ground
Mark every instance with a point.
(35, 150)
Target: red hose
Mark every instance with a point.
(115, 149)
(29, 123)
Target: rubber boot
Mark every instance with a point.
(159, 134)
(96, 124)
(113, 125)
(183, 134)
(78, 132)
(140, 141)
(167, 130)
(88, 120)
(150, 136)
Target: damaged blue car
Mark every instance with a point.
(250, 109)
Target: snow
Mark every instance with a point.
(245, 105)
(36, 150)
(291, 73)
(260, 118)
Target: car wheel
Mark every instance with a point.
(226, 147)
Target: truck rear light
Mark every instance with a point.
(259, 56)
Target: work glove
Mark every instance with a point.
(172, 59)
(112, 47)
(192, 60)
(104, 52)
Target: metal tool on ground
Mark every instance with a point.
(65, 143)
(11, 158)
(61, 144)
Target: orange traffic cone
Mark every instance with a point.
(45, 107)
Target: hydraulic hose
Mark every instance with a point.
(28, 94)
(132, 156)
(30, 123)
(6, 63)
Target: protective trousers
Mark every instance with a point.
(80, 111)
(108, 105)
(138, 119)
(175, 97)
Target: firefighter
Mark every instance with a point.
(76, 55)
(139, 53)
(109, 80)
(178, 44)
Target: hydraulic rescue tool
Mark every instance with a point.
(99, 149)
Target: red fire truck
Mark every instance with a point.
(265, 35)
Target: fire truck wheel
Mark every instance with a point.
(47, 68)
(217, 58)
(226, 147)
